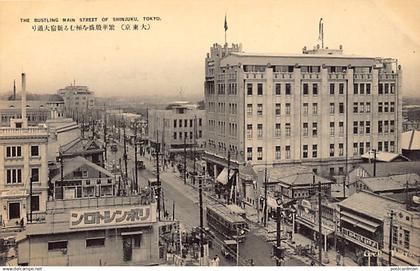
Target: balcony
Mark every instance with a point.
(387, 76)
(283, 75)
(254, 75)
(362, 76)
(335, 75)
(7, 132)
(311, 76)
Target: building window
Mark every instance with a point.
(341, 128)
(278, 153)
(95, 242)
(332, 172)
(341, 88)
(278, 130)
(175, 134)
(305, 109)
(278, 89)
(367, 128)
(380, 146)
(34, 151)
(185, 123)
(259, 109)
(314, 151)
(386, 107)
(249, 89)
(395, 235)
(288, 129)
(175, 121)
(287, 108)
(305, 89)
(57, 245)
(367, 145)
(362, 108)
(259, 130)
(305, 129)
(260, 89)
(355, 107)
(355, 148)
(315, 108)
(380, 127)
(35, 174)
(259, 153)
(386, 88)
(249, 154)
(249, 131)
(391, 126)
(380, 89)
(332, 108)
(391, 146)
(331, 150)
(191, 123)
(315, 89)
(332, 128)
(341, 108)
(13, 151)
(249, 109)
(392, 90)
(355, 88)
(362, 89)
(13, 175)
(314, 129)
(288, 89)
(35, 203)
(361, 127)
(200, 121)
(406, 239)
(180, 123)
(355, 127)
(340, 149)
(386, 126)
(392, 107)
(361, 148)
(305, 151)
(137, 241)
(287, 152)
(368, 88)
(367, 108)
(278, 109)
(332, 88)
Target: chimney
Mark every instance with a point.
(24, 119)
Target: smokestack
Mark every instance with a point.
(24, 120)
(14, 90)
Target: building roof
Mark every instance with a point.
(391, 168)
(278, 173)
(383, 156)
(248, 171)
(410, 140)
(71, 165)
(370, 204)
(390, 183)
(304, 179)
(80, 145)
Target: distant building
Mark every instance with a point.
(92, 232)
(60, 132)
(78, 100)
(411, 145)
(404, 183)
(170, 128)
(39, 109)
(320, 108)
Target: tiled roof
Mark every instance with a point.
(382, 156)
(304, 179)
(370, 204)
(391, 168)
(410, 140)
(80, 145)
(70, 165)
(390, 183)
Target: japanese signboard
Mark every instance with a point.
(360, 239)
(113, 216)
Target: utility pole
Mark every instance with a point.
(185, 160)
(265, 197)
(200, 191)
(135, 157)
(30, 198)
(195, 147)
(158, 173)
(125, 154)
(374, 162)
(319, 222)
(173, 211)
(228, 172)
(391, 225)
(278, 218)
(105, 138)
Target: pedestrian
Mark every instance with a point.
(216, 260)
(21, 223)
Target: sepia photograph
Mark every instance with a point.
(209, 133)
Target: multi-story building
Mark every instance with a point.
(321, 108)
(77, 100)
(180, 123)
(23, 169)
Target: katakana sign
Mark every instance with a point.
(111, 217)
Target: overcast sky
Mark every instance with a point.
(170, 56)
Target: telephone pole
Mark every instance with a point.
(105, 138)
(278, 218)
(135, 157)
(200, 191)
(158, 173)
(125, 154)
(319, 222)
(265, 197)
(391, 225)
(185, 160)
(228, 173)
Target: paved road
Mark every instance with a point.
(187, 212)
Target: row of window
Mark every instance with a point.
(386, 126)
(386, 107)
(277, 149)
(186, 121)
(401, 238)
(16, 151)
(179, 135)
(14, 175)
(232, 89)
(135, 240)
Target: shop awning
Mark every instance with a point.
(222, 178)
(358, 224)
(325, 231)
(361, 219)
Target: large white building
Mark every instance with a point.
(321, 108)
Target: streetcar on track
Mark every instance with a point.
(226, 223)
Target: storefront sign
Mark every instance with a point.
(360, 239)
(112, 217)
(306, 215)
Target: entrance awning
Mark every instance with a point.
(358, 224)
(361, 219)
(222, 178)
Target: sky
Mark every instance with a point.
(170, 56)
